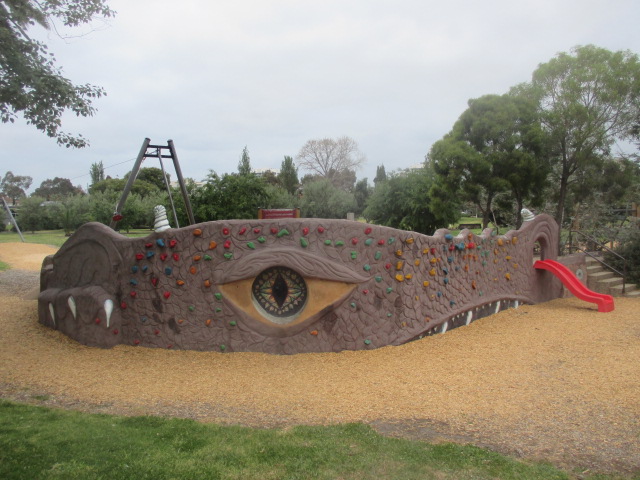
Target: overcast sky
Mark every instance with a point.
(215, 76)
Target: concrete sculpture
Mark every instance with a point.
(287, 286)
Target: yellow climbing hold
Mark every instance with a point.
(507, 276)
(400, 277)
(410, 240)
(416, 262)
(425, 283)
(399, 265)
(500, 242)
(409, 276)
(432, 272)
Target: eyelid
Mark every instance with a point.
(309, 266)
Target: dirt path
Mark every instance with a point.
(557, 381)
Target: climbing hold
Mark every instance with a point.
(212, 245)
(242, 231)
(304, 243)
(425, 283)
(251, 245)
(172, 243)
(416, 262)
(389, 289)
(207, 258)
(327, 242)
(193, 270)
(154, 281)
(218, 295)
(314, 332)
(378, 255)
(168, 271)
(368, 241)
(227, 244)
(262, 239)
(197, 258)
(321, 229)
(134, 269)
(409, 240)
(228, 256)
(133, 282)
(448, 237)
(207, 283)
(132, 294)
(148, 245)
(432, 272)
(163, 256)
(225, 231)
(367, 342)
(399, 265)
(207, 322)
(354, 255)
(378, 278)
(197, 232)
(256, 230)
(391, 240)
(166, 295)
(223, 347)
(305, 231)
(367, 230)
(150, 254)
(400, 277)
(354, 241)
(192, 308)
(339, 243)
(233, 323)
(282, 233)
(160, 242)
(179, 282)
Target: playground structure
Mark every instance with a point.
(293, 285)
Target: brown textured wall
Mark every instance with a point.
(367, 286)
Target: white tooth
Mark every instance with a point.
(53, 313)
(517, 304)
(108, 308)
(497, 306)
(469, 317)
(444, 327)
(72, 306)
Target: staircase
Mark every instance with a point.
(602, 280)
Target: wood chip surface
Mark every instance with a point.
(556, 381)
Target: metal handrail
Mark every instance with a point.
(623, 274)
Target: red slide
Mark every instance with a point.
(575, 286)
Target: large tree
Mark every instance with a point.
(331, 159)
(588, 99)
(96, 172)
(288, 175)
(14, 186)
(230, 196)
(495, 147)
(56, 189)
(30, 82)
(244, 165)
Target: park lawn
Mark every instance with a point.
(44, 443)
(55, 237)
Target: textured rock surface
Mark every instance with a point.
(179, 288)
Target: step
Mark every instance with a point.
(630, 290)
(594, 278)
(605, 286)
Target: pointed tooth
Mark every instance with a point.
(72, 306)
(108, 309)
(53, 313)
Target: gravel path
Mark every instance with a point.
(556, 381)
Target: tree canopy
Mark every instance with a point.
(15, 186)
(587, 99)
(56, 189)
(331, 159)
(244, 165)
(288, 175)
(30, 82)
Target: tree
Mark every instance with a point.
(403, 201)
(97, 172)
(56, 189)
(381, 175)
(361, 193)
(152, 175)
(587, 100)
(244, 166)
(30, 82)
(322, 200)
(231, 196)
(15, 186)
(288, 175)
(330, 158)
(495, 147)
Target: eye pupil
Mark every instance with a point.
(280, 290)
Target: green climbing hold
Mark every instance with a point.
(354, 255)
(304, 242)
(218, 309)
(223, 347)
(368, 241)
(367, 267)
(389, 289)
(327, 242)
(218, 295)
(233, 323)
(367, 342)
(251, 245)
(391, 240)
(228, 256)
(282, 233)
(378, 255)
(378, 278)
(207, 257)
(353, 305)
(191, 308)
(262, 239)
(339, 243)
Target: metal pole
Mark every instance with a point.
(13, 220)
(132, 178)
(166, 183)
(183, 187)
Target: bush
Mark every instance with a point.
(629, 248)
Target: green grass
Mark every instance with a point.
(54, 237)
(43, 443)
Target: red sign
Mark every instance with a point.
(275, 213)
